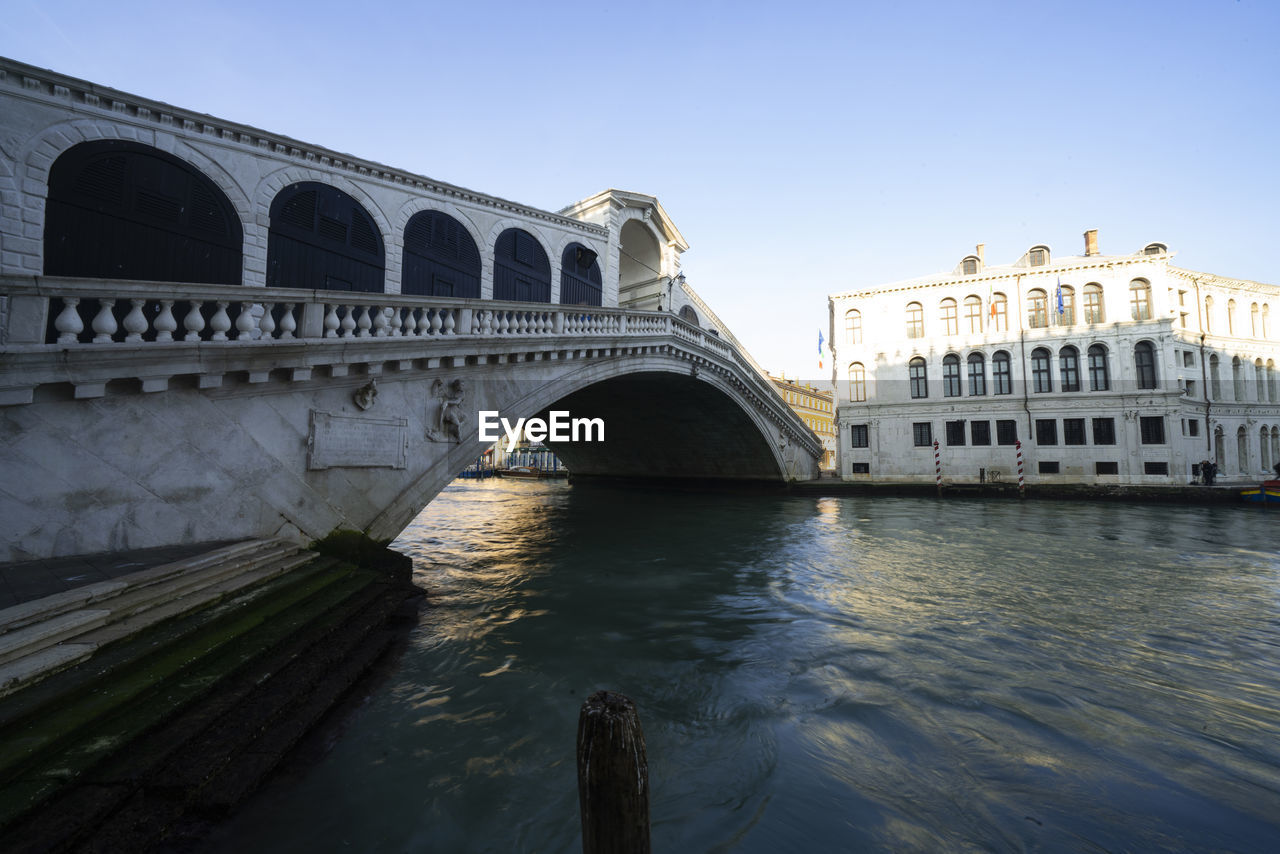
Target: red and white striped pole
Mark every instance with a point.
(937, 466)
(1022, 486)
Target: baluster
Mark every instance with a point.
(410, 323)
(424, 322)
(363, 322)
(348, 321)
(193, 322)
(379, 321)
(521, 322)
(245, 324)
(396, 322)
(220, 323)
(331, 322)
(68, 322)
(267, 325)
(105, 323)
(436, 321)
(477, 322)
(135, 322)
(164, 323)
(535, 323)
(449, 322)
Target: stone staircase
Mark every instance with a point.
(139, 709)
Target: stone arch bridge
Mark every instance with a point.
(210, 332)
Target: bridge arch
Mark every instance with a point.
(580, 279)
(417, 205)
(323, 239)
(640, 258)
(441, 257)
(118, 209)
(42, 149)
(521, 267)
(270, 186)
(666, 415)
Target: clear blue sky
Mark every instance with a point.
(802, 148)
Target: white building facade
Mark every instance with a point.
(1120, 369)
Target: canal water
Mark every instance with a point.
(818, 674)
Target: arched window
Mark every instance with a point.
(1242, 449)
(1275, 445)
(1001, 374)
(1140, 299)
(1208, 314)
(1069, 368)
(1041, 376)
(969, 266)
(973, 314)
(580, 281)
(919, 381)
(1259, 381)
(1099, 375)
(1037, 309)
(1266, 320)
(857, 382)
(1093, 312)
(1038, 256)
(688, 315)
(1067, 306)
(322, 238)
(1237, 379)
(1231, 317)
(951, 375)
(915, 320)
(977, 375)
(121, 210)
(1215, 381)
(521, 271)
(999, 313)
(853, 326)
(1144, 363)
(1264, 449)
(950, 319)
(1219, 446)
(1271, 380)
(440, 258)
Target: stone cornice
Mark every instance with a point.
(50, 87)
(1214, 280)
(991, 275)
(625, 199)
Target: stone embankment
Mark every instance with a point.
(136, 711)
(1181, 494)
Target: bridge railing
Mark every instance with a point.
(69, 312)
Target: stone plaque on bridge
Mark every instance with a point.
(356, 441)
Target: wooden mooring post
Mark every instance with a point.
(613, 776)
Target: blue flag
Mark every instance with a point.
(1061, 309)
(819, 342)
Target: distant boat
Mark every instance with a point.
(1268, 492)
(519, 471)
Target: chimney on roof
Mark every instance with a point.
(1091, 242)
(979, 251)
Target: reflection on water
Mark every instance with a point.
(819, 674)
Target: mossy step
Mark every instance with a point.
(42, 698)
(141, 794)
(41, 756)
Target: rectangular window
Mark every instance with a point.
(861, 468)
(1001, 376)
(1046, 431)
(1073, 431)
(1191, 388)
(1104, 431)
(922, 434)
(1188, 359)
(955, 432)
(980, 432)
(858, 436)
(1155, 468)
(1193, 427)
(1152, 429)
(1106, 468)
(1006, 432)
(1048, 467)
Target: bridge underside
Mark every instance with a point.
(665, 426)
